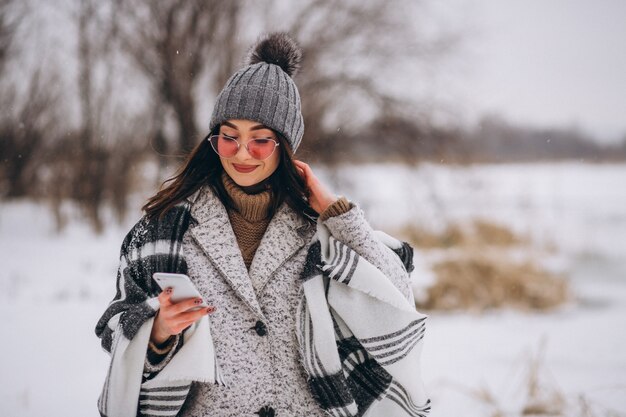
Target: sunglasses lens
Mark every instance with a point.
(261, 148)
(257, 148)
(225, 147)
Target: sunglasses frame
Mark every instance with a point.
(213, 146)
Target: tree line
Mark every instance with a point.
(141, 71)
(492, 139)
(138, 82)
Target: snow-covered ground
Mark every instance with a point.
(55, 286)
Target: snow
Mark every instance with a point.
(579, 207)
(56, 285)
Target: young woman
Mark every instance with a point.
(240, 220)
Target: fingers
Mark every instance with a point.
(165, 297)
(181, 321)
(165, 301)
(184, 305)
(181, 308)
(307, 173)
(191, 316)
(186, 319)
(302, 165)
(175, 318)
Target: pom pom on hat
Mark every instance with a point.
(279, 49)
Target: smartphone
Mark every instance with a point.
(182, 287)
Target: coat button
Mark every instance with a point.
(266, 411)
(260, 328)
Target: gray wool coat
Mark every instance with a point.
(254, 324)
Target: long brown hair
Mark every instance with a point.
(203, 166)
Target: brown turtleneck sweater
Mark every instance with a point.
(250, 216)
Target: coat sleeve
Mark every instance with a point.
(353, 229)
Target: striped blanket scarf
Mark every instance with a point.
(360, 339)
(125, 327)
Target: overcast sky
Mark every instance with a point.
(544, 62)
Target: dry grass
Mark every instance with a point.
(494, 234)
(482, 282)
(538, 394)
(452, 236)
(478, 233)
(542, 399)
(476, 270)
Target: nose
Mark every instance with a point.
(243, 148)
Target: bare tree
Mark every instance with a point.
(170, 41)
(43, 154)
(349, 46)
(10, 19)
(23, 131)
(27, 116)
(93, 164)
(352, 50)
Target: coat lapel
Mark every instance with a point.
(215, 236)
(285, 235)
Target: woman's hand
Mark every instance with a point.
(173, 318)
(320, 197)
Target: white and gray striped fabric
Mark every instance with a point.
(360, 338)
(165, 392)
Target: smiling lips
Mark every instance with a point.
(244, 168)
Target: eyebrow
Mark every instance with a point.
(255, 127)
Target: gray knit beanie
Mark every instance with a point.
(264, 91)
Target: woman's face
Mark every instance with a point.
(243, 168)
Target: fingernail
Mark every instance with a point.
(210, 309)
(168, 291)
(196, 301)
